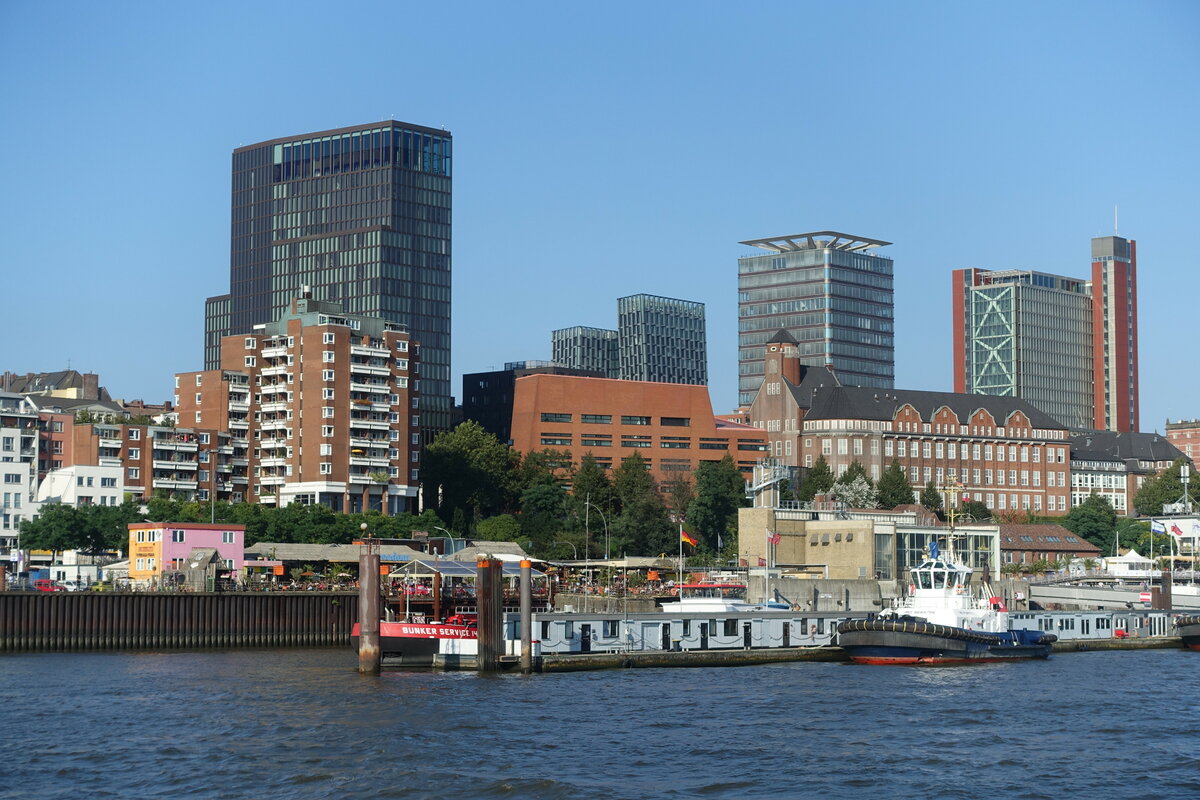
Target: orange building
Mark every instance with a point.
(670, 425)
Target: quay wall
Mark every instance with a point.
(61, 621)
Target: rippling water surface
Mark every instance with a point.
(303, 724)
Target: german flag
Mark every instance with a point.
(684, 536)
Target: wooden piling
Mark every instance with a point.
(369, 652)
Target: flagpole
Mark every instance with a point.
(679, 586)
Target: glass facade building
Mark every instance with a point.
(581, 347)
(1028, 335)
(662, 340)
(831, 293)
(359, 215)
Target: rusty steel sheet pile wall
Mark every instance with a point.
(168, 621)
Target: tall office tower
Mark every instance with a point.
(1114, 327)
(662, 340)
(1026, 334)
(1066, 345)
(832, 295)
(581, 347)
(362, 216)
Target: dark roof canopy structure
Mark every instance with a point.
(816, 240)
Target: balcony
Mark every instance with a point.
(369, 369)
(170, 464)
(182, 447)
(274, 406)
(239, 479)
(239, 425)
(272, 480)
(369, 350)
(272, 462)
(169, 483)
(110, 443)
(274, 424)
(275, 351)
(270, 371)
(369, 424)
(242, 406)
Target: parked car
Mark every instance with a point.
(46, 585)
(75, 586)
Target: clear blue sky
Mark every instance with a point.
(601, 151)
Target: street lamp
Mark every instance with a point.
(449, 536)
(589, 504)
(574, 549)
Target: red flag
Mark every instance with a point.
(762, 562)
(774, 538)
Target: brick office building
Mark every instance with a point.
(670, 425)
(321, 407)
(1003, 451)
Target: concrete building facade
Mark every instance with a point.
(325, 404)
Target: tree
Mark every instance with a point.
(642, 524)
(468, 470)
(818, 481)
(720, 492)
(976, 510)
(931, 498)
(855, 470)
(500, 528)
(1160, 490)
(857, 494)
(1094, 520)
(680, 496)
(894, 487)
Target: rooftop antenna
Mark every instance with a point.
(1114, 219)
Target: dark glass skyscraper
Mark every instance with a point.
(361, 215)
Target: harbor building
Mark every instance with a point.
(832, 293)
(362, 215)
(658, 339)
(1004, 451)
(670, 425)
(1066, 345)
(156, 548)
(320, 405)
(1115, 464)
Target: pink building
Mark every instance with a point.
(155, 547)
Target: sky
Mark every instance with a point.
(603, 150)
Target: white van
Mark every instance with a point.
(74, 586)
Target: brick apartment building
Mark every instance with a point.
(1003, 451)
(320, 406)
(1185, 434)
(671, 425)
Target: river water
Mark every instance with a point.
(303, 724)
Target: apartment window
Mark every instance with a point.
(136, 433)
(1037, 478)
(1025, 454)
(887, 448)
(326, 449)
(987, 452)
(326, 374)
(414, 474)
(952, 451)
(327, 337)
(393, 399)
(926, 449)
(326, 468)
(902, 449)
(842, 447)
(402, 346)
(203, 437)
(1012, 452)
(628, 420)
(857, 448)
(327, 356)
(974, 451)
(596, 419)
(393, 436)
(327, 393)
(416, 421)
(416, 438)
(415, 456)
(108, 483)
(1012, 478)
(1000, 477)
(1037, 455)
(975, 477)
(197, 416)
(675, 422)
(199, 378)
(249, 343)
(327, 412)
(1024, 477)
(826, 447)
(940, 450)
(402, 364)
(134, 473)
(248, 361)
(327, 430)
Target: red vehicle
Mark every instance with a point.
(46, 585)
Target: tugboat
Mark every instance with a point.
(941, 621)
(1189, 630)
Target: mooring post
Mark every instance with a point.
(526, 616)
(1167, 586)
(368, 606)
